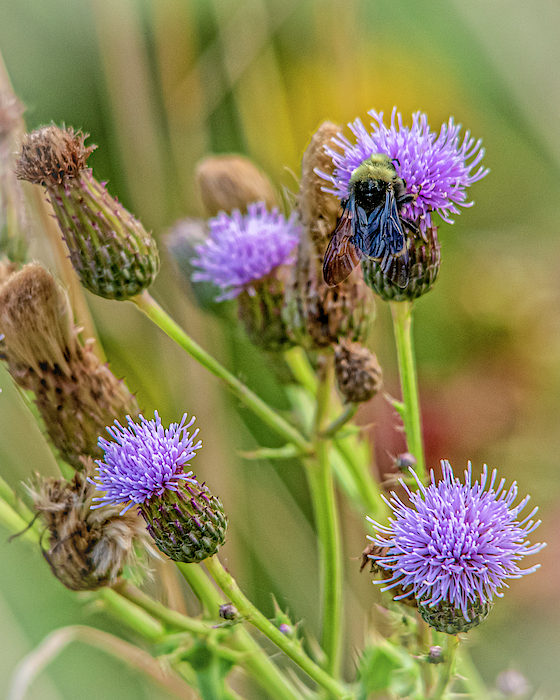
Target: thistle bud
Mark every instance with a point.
(318, 315)
(358, 373)
(110, 250)
(76, 395)
(87, 549)
(144, 465)
(424, 258)
(229, 182)
(435, 655)
(228, 611)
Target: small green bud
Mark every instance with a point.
(110, 250)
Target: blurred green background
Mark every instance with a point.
(159, 84)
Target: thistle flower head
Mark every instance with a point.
(144, 460)
(457, 544)
(243, 249)
(145, 464)
(437, 168)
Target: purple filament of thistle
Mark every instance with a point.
(458, 543)
(144, 460)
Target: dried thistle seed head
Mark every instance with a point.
(87, 548)
(52, 156)
(229, 182)
(318, 315)
(318, 209)
(424, 260)
(114, 256)
(358, 373)
(76, 394)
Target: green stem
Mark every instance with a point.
(156, 314)
(446, 669)
(323, 495)
(253, 659)
(402, 322)
(228, 584)
(16, 524)
(209, 597)
(347, 414)
(132, 615)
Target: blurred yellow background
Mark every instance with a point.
(159, 84)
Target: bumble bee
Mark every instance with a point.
(371, 225)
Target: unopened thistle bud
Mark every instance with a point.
(318, 315)
(87, 548)
(247, 258)
(110, 250)
(77, 395)
(145, 466)
(358, 373)
(229, 182)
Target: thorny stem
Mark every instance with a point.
(156, 314)
(446, 669)
(255, 661)
(402, 323)
(228, 584)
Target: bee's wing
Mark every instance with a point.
(385, 241)
(342, 255)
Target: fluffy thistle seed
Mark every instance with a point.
(110, 250)
(87, 549)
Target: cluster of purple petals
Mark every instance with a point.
(242, 249)
(436, 167)
(458, 543)
(144, 460)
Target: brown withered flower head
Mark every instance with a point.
(77, 396)
(317, 315)
(358, 373)
(87, 548)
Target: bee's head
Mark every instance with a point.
(377, 167)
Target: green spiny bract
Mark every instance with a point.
(189, 525)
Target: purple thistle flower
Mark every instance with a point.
(459, 543)
(144, 460)
(434, 166)
(242, 249)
